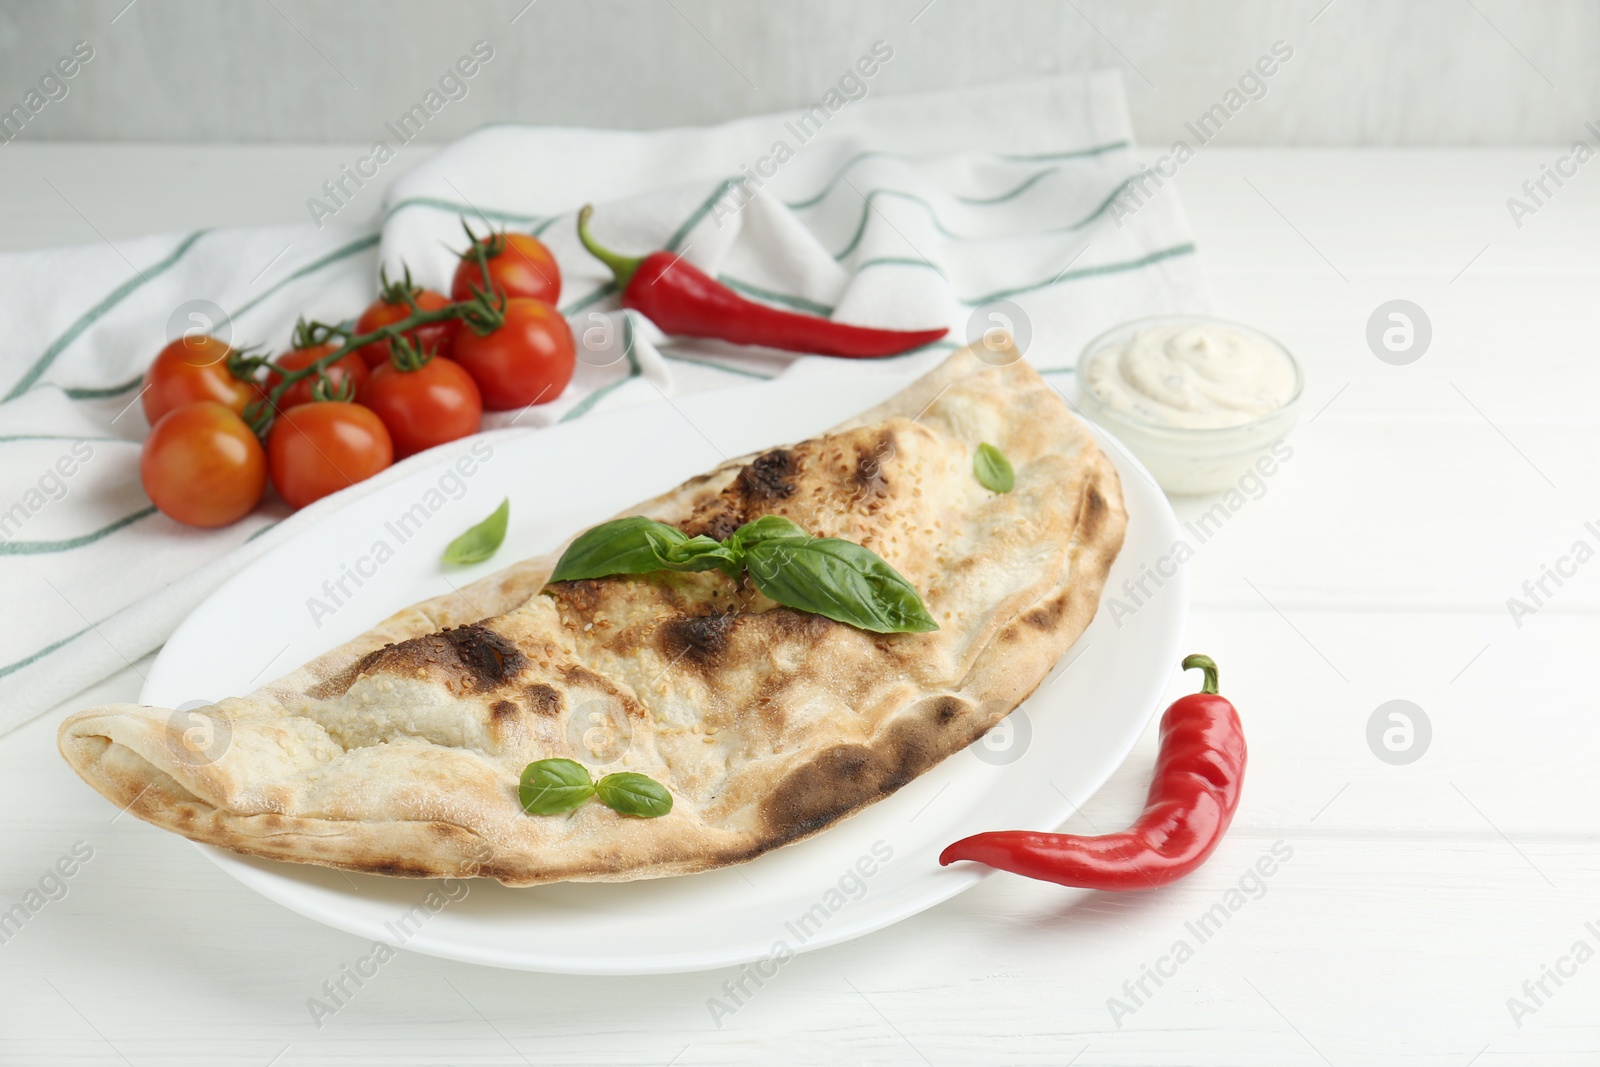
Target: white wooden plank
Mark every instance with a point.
(1346, 521)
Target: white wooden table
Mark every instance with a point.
(1376, 565)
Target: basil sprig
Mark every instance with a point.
(993, 470)
(825, 576)
(481, 541)
(555, 786)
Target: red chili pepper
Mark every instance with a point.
(682, 299)
(1191, 803)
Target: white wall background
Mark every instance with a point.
(1365, 72)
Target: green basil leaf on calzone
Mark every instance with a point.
(840, 580)
(636, 545)
(632, 793)
(554, 786)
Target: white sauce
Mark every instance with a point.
(1197, 375)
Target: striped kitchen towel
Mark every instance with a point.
(1018, 206)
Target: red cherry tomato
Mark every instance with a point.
(420, 408)
(319, 448)
(202, 466)
(433, 337)
(194, 367)
(346, 367)
(528, 360)
(523, 267)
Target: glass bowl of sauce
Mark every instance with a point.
(1199, 400)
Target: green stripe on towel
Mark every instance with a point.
(63, 437)
(866, 215)
(465, 210)
(1012, 195)
(798, 303)
(1071, 153)
(901, 261)
(94, 314)
(739, 371)
(1087, 272)
(45, 548)
(593, 298)
(584, 406)
(1048, 157)
(12, 668)
(677, 239)
(360, 244)
(76, 393)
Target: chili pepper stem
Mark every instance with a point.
(622, 267)
(1207, 664)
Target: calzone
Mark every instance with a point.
(399, 752)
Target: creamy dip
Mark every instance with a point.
(1196, 375)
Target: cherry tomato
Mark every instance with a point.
(194, 367)
(350, 367)
(202, 466)
(528, 360)
(420, 408)
(319, 448)
(524, 267)
(433, 337)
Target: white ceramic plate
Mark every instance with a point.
(871, 870)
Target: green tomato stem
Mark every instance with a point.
(466, 309)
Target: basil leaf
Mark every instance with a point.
(765, 529)
(631, 793)
(482, 540)
(634, 545)
(637, 545)
(993, 469)
(552, 786)
(840, 580)
(703, 553)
